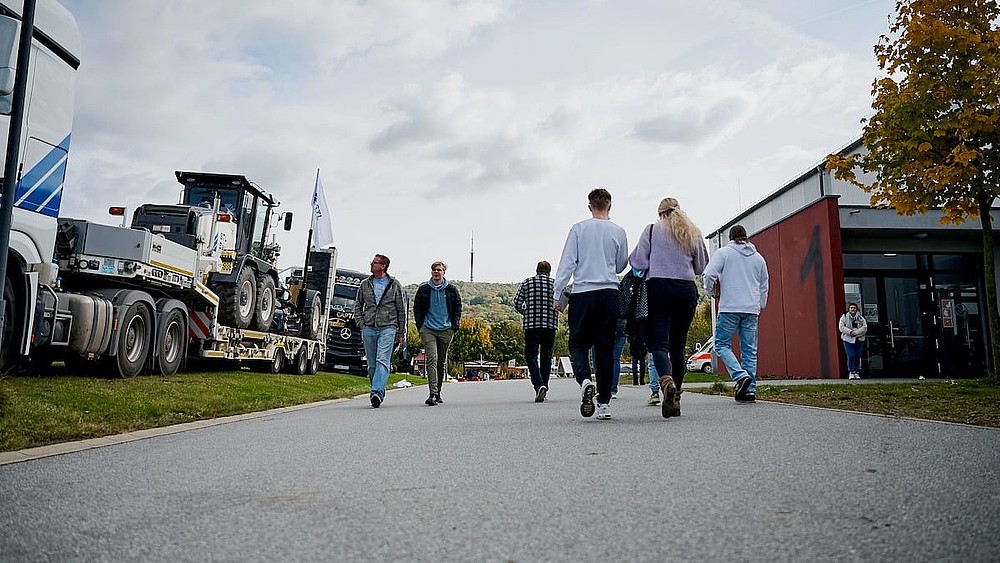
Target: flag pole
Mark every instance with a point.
(309, 238)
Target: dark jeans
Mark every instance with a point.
(593, 319)
(671, 309)
(538, 348)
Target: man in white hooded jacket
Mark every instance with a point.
(737, 276)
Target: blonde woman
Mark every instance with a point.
(671, 252)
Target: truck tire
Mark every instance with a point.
(134, 340)
(314, 362)
(172, 343)
(236, 301)
(301, 365)
(263, 312)
(8, 355)
(278, 362)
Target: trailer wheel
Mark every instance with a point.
(236, 301)
(301, 366)
(278, 363)
(172, 343)
(265, 303)
(313, 366)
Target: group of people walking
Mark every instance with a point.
(667, 257)
(380, 312)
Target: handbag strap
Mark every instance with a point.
(649, 256)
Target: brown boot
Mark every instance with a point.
(667, 408)
(677, 402)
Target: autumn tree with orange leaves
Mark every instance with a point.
(934, 140)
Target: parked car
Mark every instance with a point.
(701, 360)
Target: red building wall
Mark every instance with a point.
(798, 328)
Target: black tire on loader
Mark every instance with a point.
(313, 314)
(264, 304)
(237, 301)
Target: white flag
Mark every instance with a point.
(322, 225)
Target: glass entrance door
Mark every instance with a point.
(898, 342)
(905, 327)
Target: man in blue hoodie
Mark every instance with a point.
(737, 277)
(437, 310)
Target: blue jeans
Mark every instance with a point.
(853, 350)
(744, 324)
(654, 378)
(378, 351)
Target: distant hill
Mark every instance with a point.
(490, 302)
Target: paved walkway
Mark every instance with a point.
(492, 476)
(80, 445)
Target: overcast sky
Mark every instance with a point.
(435, 120)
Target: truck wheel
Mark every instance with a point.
(313, 366)
(301, 362)
(278, 363)
(707, 367)
(133, 340)
(263, 312)
(7, 353)
(236, 301)
(172, 343)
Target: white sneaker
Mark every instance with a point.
(654, 399)
(603, 411)
(587, 392)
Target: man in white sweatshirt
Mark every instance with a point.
(736, 276)
(596, 251)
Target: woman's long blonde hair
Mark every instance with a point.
(677, 222)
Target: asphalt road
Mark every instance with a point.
(492, 476)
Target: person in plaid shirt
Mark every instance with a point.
(534, 302)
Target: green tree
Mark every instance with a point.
(701, 325)
(508, 341)
(934, 140)
(471, 342)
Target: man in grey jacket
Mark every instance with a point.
(380, 312)
(737, 277)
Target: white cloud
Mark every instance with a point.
(448, 116)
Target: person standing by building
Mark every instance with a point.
(737, 276)
(380, 311)
(671, 253)
(534, 302)
(596, 251)
(437, 310)
(853, 328)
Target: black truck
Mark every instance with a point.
(345, 352)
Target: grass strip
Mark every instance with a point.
(36, 411)
(967, 401)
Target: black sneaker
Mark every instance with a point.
(430, 402)
(588, 390)
(750, 398)
(376, 400)
(540, 394)
(437, 399)
(742, 384)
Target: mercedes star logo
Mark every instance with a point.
(345, 333)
